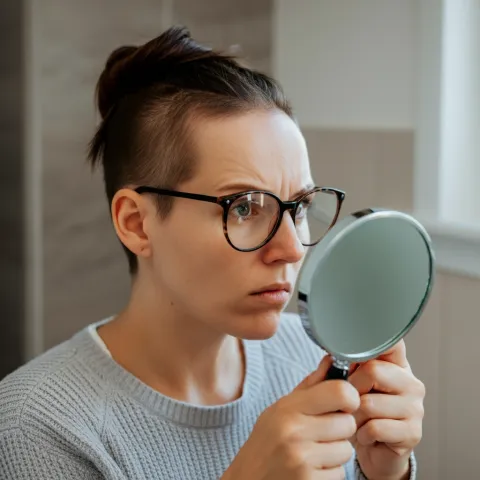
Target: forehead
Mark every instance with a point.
(261, 149)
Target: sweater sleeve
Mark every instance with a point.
(358, 474)
(23, 459)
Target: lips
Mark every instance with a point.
(274, 287)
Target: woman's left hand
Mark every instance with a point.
(389, 420)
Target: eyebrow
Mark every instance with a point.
(241, 187)
(305, 189)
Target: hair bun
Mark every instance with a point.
(109, 87)
(129, 68)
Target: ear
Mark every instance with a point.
(129, 211)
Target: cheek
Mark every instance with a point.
(193, 258)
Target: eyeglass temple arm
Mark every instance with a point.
(170, 193)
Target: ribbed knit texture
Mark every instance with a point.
(74, 413)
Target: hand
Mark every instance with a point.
(303, 436)
(390, 416)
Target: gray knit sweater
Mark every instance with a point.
(74, 413)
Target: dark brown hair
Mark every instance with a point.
(148, 96)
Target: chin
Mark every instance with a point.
(257, 326)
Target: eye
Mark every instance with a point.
(243, 209)
(303, 207)
(253, 207)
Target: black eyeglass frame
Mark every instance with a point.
(226, 202)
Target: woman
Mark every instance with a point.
(202, 376)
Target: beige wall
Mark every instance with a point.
(349, 63)
(84, 275)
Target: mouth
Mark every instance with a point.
(274, 287)
(275, 294)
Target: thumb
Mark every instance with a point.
(317, 375)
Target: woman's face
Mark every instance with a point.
(204, 278)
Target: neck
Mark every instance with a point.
(174, 354)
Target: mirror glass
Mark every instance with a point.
(368, 288)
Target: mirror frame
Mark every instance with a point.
(319, 252)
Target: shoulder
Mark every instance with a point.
(291, 345)
(53, 395)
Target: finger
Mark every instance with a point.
(317, 375)
(397, 433)
(385, 377)
(397, 355)
(394, 407)
(331, 427)
(353, 367)
(328, 455)
(326, 397)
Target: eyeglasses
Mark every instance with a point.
(251, 218)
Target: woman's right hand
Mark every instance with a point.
(304, 435)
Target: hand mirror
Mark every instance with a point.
(364, 285)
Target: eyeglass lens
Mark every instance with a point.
(252, 217)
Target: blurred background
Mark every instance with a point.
(388, 96)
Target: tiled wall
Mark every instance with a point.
(11, 187)
(85, 275)
(374, 168)
(224, 23)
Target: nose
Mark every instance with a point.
(285, 246)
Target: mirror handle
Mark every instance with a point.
(336, 373)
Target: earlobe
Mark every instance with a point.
(129, 210)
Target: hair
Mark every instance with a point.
(149, 95)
